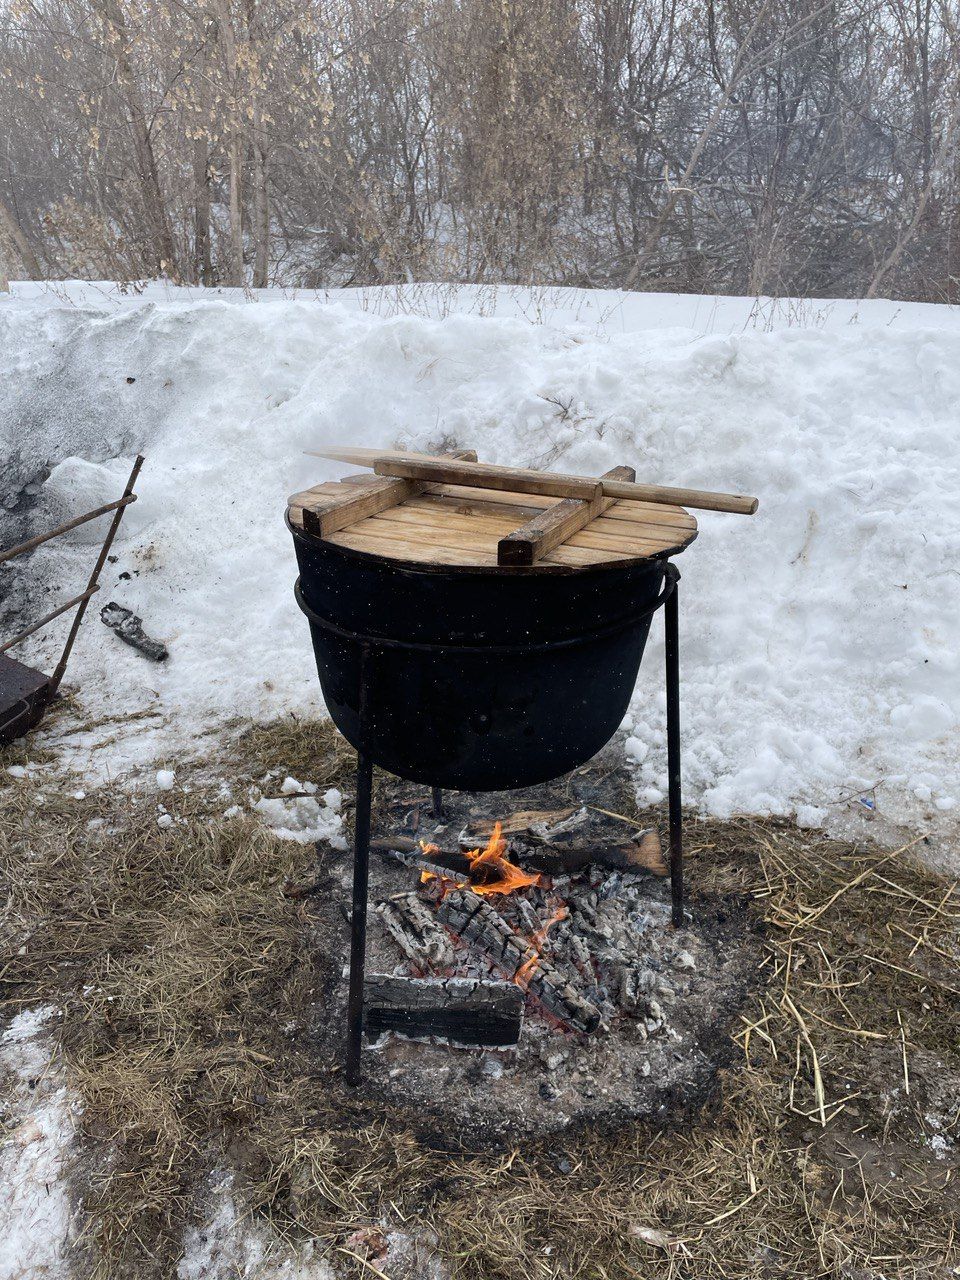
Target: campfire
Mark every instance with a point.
(518, 936)
(523, 975)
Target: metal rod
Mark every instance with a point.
(101, 561)
(361, 876)
(49, 617)
(437, 794)
(64, 528)
(358, 918)
(672, 655)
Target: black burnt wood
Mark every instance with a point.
(467, 1011)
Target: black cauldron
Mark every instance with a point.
(475, 679)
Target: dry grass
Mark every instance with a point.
(187, 980)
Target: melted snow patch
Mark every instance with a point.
(228, 1247)
(35, 1155)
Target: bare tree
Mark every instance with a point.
(808, 146)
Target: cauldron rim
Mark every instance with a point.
(484, 571)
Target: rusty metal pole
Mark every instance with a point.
(41, 538)
(97, 568)
(48, 617)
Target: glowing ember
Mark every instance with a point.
(540, 937)
(526, 971)
(489, 871)
(529, 967)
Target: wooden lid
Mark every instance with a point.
(445, 525)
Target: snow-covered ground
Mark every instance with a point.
(819, 638)
(36, 1215)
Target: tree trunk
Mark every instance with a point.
(202, 265)
(163, 249)
(11, 228)
(261, 206)
(228, 42)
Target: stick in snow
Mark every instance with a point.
(130, 630)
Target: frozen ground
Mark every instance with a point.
(36, 1215)
(818, 638)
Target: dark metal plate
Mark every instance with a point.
(24, 694)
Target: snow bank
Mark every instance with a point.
(39, 1124)
(818, 638)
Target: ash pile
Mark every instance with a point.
(523, 975)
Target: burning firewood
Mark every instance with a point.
(485, 931)
(465, 1010)
(555, 857)
(488, 870)
(565, 841)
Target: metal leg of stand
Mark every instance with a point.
(361, 876)
(437, 803)
(672, 647)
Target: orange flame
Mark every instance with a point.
(489, 871)
(510, 877)
(529, 967)
(526, 971)
(540, 937)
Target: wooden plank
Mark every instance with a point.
(640, 529)
(468, 493)
(652, 544)
(485, 476)
(467, 535)
(319, 495)
(623, 509)
(361, 497)
(324, 518)
(631, 539)
(654, 512)
(415, 552)
(449, 518)
(550, 528)
(494, 518)
(469, 1011)
(414, 466)
(430, 501)
(377, 536)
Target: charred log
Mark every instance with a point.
(565, 841)
(563, 857)
(414, 928)
(485, 931)
(441, 862)
(124, 623)
(464, 1010)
